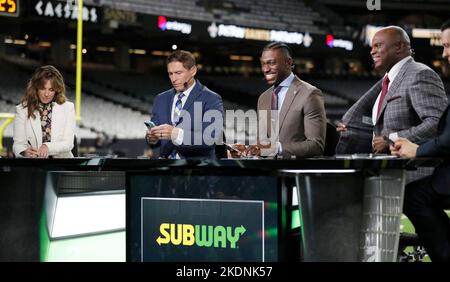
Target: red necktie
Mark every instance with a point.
(275, 97)
(384, 90)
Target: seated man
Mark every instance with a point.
(291, 113)
(426, 198)
(188, 117)
(407, 102)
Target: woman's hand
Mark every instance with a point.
(30, 153)
(42, 152)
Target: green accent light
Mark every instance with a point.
(296, 221)
(271, 205)
(44, 239)
(271, 232)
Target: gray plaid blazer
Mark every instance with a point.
(413, 106)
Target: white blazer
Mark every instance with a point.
(28, 131)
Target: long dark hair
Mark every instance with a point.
(37, 81)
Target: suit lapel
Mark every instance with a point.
(395, 84)
(196, 91)
(169, 104)
(57, 118)
(193, 96)
(267, 105)
(363, 107)
(166, 117)
(37, 130)
(293, 90)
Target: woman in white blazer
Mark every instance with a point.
(44, 125)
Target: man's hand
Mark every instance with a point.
(380, 144)
(151, 138)
(236, 151)
(164, 132)
(340, 127)
(404, 148)
(253, 150)
(241, 150)
(42, 152)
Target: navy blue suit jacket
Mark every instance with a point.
(193, 130)
(439, 147)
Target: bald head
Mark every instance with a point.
(389, 46)
(398, 34)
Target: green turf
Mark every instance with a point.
(405, 226)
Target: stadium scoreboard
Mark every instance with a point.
(9, 8)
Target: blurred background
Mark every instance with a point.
(125, 43)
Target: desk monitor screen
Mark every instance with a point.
(192, 218)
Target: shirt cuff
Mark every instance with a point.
(179, 140)
(279, 148)
(393, 136)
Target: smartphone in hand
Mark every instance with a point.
(149, 124)
(390, 142)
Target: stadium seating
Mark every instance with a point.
(281, 15)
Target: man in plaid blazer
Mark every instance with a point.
(414, 101)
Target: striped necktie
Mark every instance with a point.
(176, 119)
(177, 110)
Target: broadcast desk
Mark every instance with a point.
(205, 210)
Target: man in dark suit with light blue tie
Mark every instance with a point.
(188, 117)
(426, 198)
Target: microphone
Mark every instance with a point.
(186, 83)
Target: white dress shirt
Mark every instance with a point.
(392, 74)
(281, 95)
(179, 139)
(284, 88)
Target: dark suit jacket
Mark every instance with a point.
(194, 145)
(440, 147)
(414, 103)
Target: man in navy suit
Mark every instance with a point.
(188, 117)
(426, 198)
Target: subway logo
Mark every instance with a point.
(200, 235)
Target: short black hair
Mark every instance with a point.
(445, 25)
(279, 45)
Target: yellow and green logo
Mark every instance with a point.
(201, 235)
